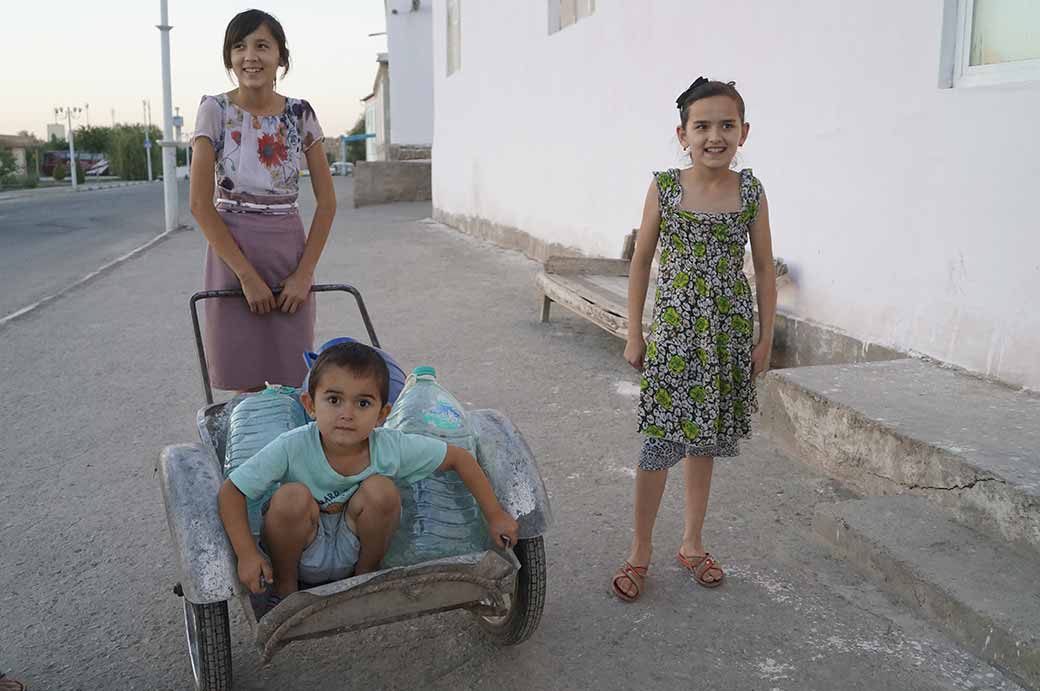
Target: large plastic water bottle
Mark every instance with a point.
(254, 423)
(439, 516)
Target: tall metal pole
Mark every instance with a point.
(73, 168)
(147, 137)
(168, 143)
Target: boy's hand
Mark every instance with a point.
(255, 572)
(504, 529)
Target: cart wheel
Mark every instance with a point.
(209, 644)
(527, 599)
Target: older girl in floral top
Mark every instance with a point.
(248, 145)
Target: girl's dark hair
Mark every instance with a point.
(707, 89)
(357, 358)
(245, 23)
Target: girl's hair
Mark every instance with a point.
(705, 88)
(245, 23)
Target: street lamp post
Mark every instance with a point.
(68, 112)
(168, 143)
(146, 109)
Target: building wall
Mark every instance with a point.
(904, 211)
(410, 42)
(377, 117)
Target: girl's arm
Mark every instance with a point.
(203, 160)
(500, 523)
(298, 285)
(639, 276)
(765, 286)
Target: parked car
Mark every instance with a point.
(99, 168)
(341, 168)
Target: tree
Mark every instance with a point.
(59, 171)
(127, 156)
(96, 140)
(356, 150)
(57, 144)
(7, 163)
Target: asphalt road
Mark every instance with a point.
(95, 384)
(52, 238)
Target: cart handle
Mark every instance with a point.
(237, 292)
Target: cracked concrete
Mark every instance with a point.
(909, 426)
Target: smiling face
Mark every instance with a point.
(255, 58)
(346, 407)
(713, 132)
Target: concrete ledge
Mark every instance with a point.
(505, 236)
(912, 427)
(982, 594)
(383, 182)
(800, 342)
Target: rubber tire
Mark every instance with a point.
(212, 669)
(525, 612)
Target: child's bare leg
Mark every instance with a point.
(698, 484)
(373, 514)
(290, 524)
(649, 489)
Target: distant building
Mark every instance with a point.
(19, 145)
(55, 131)
(377, 112)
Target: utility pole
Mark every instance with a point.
(86, 113)
(113, 117)
(68, 112)
(147, 135)
(168, 143)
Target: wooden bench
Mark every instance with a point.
(596, 288)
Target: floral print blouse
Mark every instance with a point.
(258, 157)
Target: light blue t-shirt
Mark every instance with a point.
(297, 456)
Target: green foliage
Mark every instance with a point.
(57, 144)
(7, 163)
(127, 156)
(356, 150)
(18, 182)
(59, 171)
(96, 140)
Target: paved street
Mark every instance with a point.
(52, 238)
(98, 381)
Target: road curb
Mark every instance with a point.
(15, 195)
(97, 273)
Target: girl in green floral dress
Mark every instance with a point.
(699, 361)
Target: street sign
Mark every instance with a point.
(147, 143)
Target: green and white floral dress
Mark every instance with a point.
(697, 393)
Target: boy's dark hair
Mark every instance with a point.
(245, 23)
(706, 88)
(357, 358)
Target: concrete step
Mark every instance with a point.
(910, 426)
(982, 592)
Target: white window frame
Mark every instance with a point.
(583, 9)
(955, 70)
(454, 47)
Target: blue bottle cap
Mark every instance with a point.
(424, 370)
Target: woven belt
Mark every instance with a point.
(250, 207)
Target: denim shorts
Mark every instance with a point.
(332, 555)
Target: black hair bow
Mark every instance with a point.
(699, 82)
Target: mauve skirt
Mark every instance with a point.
(245, 350)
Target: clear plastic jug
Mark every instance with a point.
(254, 423)
(439, 516)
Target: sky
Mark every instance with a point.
(107, 54)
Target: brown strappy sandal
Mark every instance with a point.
(9, 684)
(701, 566)
(636, 575)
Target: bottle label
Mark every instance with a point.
(443, 415)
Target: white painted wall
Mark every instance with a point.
(905, 211)
(410, 44)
